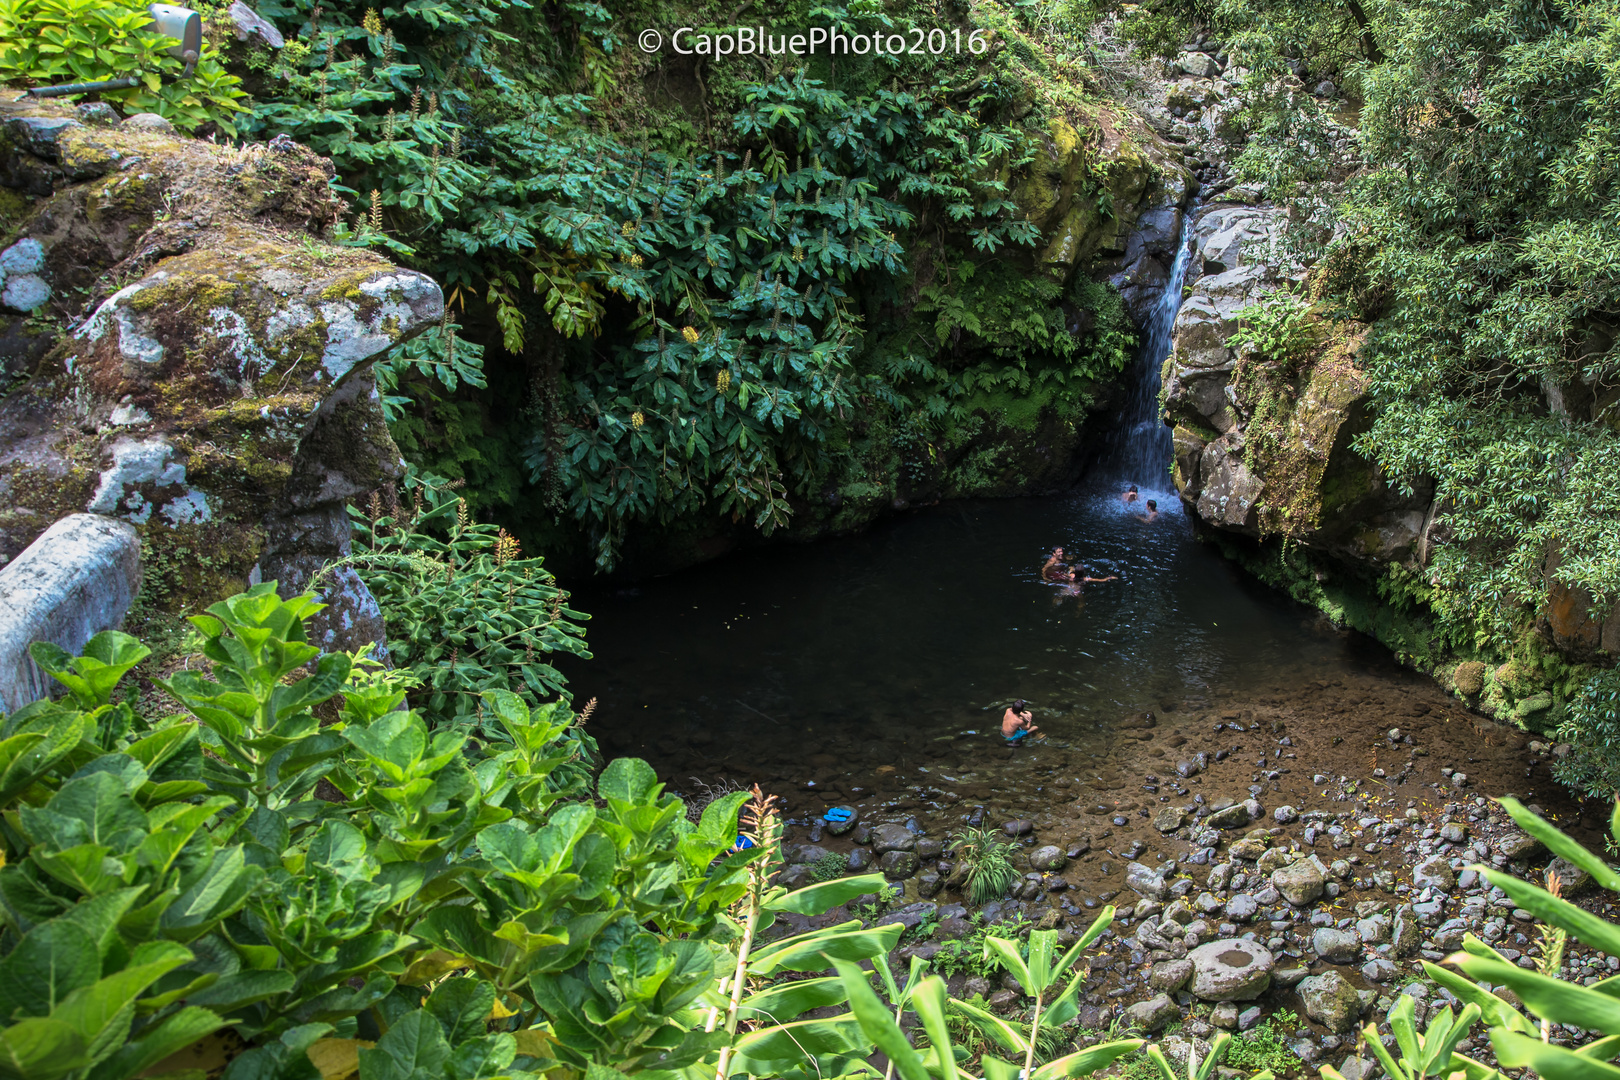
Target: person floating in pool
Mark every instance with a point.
(1130, 495)
(1152, 514)
(1017, 724)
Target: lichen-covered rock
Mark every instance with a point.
(1330, 1000)
(216, 389)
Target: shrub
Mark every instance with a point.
(466, 612)
(829, 866)
(165, 877)
(60, 41)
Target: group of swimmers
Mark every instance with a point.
(1017, 723)
(1152, 514)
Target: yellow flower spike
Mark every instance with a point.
(690, 334)
(636, 419)
(722, 381)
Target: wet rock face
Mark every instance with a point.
(215, 391)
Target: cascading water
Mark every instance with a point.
(1141, 447)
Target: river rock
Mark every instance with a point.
(1405, 936)
(1170, 975)
(1018, 827)
(860, 860)
(1285, 815)
(839, 828)
(1518, 845)
(1374, 929)
(929, 883)
(78, 579)
(1049, 858)
(1336, 946)
(1573, 881)
(1233, 969)
(1330, 1000)
(1235, 816)
(1300, 884)
(1154, 1013)
(898, 865)
(893, 837)
(1241, 908)
(1251, 847)
(1434, 872)
(1145, 881)
(1169, 819)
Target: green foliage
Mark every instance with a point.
(689, 307)
(1279, 330)
(983, 863)
(1267, 1047)
(1487, 225)
(1593, 729)
(829, 866)
(44, 42)
(150, 863)
(967, 954)
(466, 614)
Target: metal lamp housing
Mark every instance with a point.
(182, 24)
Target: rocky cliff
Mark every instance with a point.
(181, 352)
(1265, 458)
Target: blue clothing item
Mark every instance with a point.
(837, 813)
(1013, 739)
(743, 842)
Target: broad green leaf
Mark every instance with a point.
(49, 963)
(875, 1020)
(1493, 1009)
(1552, 999)
(823, 897)
(1516, 1051)
(41, 1049)
(1583, 925)
(1007, 953)
(811, 951)
(1087, 1061)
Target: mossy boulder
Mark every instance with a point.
(215, 390)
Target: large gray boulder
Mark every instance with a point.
(1233, 969)
(1153, 1014)
(1330, 1000)
(75, 581)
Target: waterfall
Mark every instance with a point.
(1141, 447)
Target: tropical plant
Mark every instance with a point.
(1279, 329)
(983, 865)
(927, 997)
(61, 41)
(1202, 1069)
(466, 612)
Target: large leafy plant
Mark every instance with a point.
(61, 41)
(163, 878)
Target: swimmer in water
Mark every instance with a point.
(1130, 494)
(1017, 723)
(1054, 569)
(1152, 514)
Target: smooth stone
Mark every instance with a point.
(1233, 969)
(898, 865)
(1434, 872)
(893, 837)
(1049, 857)
(1336, 946)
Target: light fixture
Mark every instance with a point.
(182, 24)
